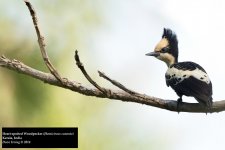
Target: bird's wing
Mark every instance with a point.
(196, 88)
(176, 73)
(190, 79)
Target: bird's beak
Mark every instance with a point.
(156, 54)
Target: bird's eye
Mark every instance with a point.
(165, 50)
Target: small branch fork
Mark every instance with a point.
(80, 65)
(124, 94)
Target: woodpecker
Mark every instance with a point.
(185, 78)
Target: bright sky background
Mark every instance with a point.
(133, 29)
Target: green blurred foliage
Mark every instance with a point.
(26, 101)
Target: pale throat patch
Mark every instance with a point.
(162, 43)
(167, 58)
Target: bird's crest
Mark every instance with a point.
(170, 36)
(173, 42)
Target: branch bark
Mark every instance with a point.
(80, 65)
(41, 41)
(19, 67)
(124, 94)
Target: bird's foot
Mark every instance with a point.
(179, 100)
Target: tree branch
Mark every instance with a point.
(171, 105)
(122, 87)
(114, 82)
(125, 95)
(80, 65)
(41, 41)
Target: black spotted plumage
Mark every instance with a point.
(191, 86)
(185, 78)
(187, 65)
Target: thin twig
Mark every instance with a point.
(116, 83)
(80, 65)
(41, 42)
(121, 86)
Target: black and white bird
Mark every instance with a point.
(185, 78)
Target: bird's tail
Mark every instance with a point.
(210, 102)
(207, 103)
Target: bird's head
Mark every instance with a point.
(167, 48)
